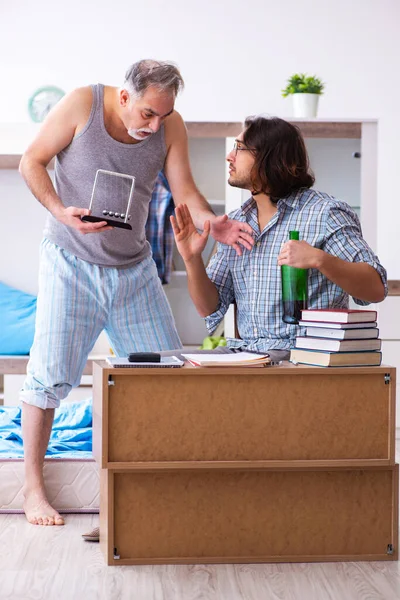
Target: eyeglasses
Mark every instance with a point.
(238, 147)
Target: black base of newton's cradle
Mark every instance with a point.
(91, 219)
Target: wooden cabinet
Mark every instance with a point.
(389, 331)
(291, 416)
(248, 516)
(287, 463)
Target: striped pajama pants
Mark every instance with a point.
(76, 301)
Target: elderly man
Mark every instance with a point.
(108, 279)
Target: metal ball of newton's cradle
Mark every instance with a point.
(117, 215)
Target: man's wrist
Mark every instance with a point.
(57, 211)
(321, 259)
(211, 217)
(193, 261)
(201, 217)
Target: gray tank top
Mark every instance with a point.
(75, 170)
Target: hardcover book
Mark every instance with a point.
(315, 343)
(339, 315)
(335, 359)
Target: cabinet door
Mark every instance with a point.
(337, 168)
(247, 517)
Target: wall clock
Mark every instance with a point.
(42, 101)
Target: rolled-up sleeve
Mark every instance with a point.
(219, 273)
(344, 240)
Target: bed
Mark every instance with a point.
(71, 474)
(72, 485)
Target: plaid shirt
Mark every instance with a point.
(158, 227)
(253, 280)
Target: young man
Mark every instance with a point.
(108, 279)
(270, 160)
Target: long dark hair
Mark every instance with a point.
(281, 161)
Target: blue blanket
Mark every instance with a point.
(71, 436)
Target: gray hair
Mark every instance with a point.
(164, 76)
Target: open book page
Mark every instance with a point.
(232, 360)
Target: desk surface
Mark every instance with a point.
(285, 368)
(16, 365)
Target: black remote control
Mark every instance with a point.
(144, 357)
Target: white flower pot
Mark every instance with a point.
(305, 105)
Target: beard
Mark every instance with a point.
(240, 182)
(135, 133)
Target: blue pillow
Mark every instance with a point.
(17, 320)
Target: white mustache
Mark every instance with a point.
(137, 133)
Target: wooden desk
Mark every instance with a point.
(287, 463)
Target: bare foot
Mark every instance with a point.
(38, 511)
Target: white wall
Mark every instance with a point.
(21, 223)
(235, 57)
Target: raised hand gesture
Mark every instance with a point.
(189, 242)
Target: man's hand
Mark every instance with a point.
(231, 232)
(189, 242)
(301, 255)
(71, 217)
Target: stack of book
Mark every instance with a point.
(338, 338)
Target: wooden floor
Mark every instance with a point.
(54, 563)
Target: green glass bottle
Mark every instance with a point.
(294, 289)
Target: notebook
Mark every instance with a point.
(166, 362)
(242, 359)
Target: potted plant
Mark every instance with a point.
(306, 91)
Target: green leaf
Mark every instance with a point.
(301, 83)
